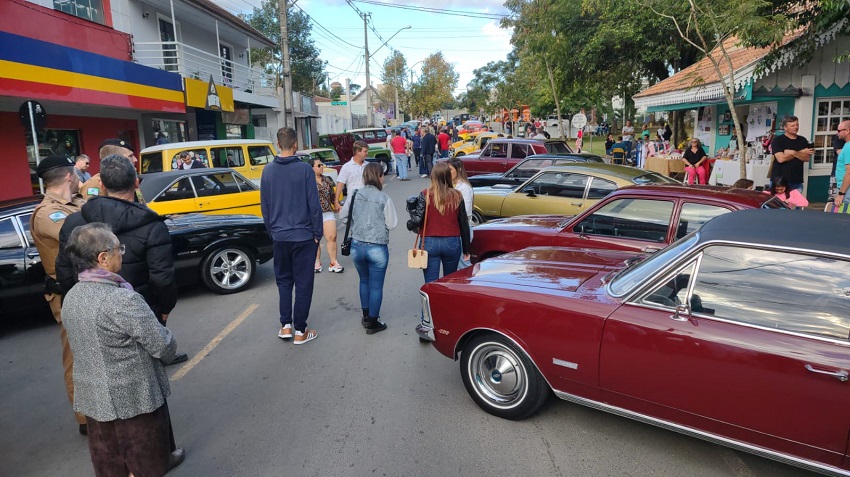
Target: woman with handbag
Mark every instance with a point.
(371, 217)
(330, 205)
(439, 218)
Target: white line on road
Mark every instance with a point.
(212, 344)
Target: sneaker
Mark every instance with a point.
(302, 337)
(424, 176)
(318, 267)
(285, 332)
(335, 267)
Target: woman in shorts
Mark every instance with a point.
(330, 205)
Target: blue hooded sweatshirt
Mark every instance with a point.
(289, 200)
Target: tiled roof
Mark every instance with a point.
(703, 72)
(321, 99)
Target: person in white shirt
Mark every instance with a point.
(461, 183)
(350, 176)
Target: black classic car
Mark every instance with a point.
(526, 169)
(221, 251)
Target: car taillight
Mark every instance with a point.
(426, 308)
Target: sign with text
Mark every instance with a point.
(198, 95)
(339, 103)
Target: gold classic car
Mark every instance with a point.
(562, 190)
(474, 142)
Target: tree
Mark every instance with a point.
(355, 88)
(435, 86)
(393, 76)
(307, 69)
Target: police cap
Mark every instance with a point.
(52, 162)
(117, 142)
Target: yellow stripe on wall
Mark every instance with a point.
(52, 76)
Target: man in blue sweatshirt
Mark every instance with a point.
(289, 200)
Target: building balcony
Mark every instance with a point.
(191, 62)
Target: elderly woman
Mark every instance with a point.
(119, 348)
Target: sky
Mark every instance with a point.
(466, 42)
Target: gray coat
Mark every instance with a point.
(117, 344)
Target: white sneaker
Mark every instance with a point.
(335, 267)
(424, 175)
(318, 267)
(285, 332)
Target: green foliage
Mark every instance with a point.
(434, 87)
(307, 69)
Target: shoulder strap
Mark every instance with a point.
(348, 222)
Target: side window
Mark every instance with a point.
(673, 292)
(527, 169)
(369, 135)
(776, 290)
(9, 238)
(487, 150)
(215, 184)
(228, 156)
(200, 154)
(259, 155)
(640, 219)
(600, 188)
(152, 162)
(181, 189)
(324, 142)
(243, 184)
(25, 223)
(520, 151)
(498, 149)
(485, 140)
(558, 184)
(381, 135)
(693, 216)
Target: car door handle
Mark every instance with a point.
(577, 204)
(840, 375)
(650, 249)
(32, 255)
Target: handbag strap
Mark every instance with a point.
(420, 237)
(348, 221)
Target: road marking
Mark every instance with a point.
(212, 344)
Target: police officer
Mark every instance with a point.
(61, 184)
(94, 186)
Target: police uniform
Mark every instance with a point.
(46, 220)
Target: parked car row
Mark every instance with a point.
(737, 333)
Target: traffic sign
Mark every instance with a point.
(33, 115)
(339, 103)
(579, 120)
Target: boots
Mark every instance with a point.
(375, 325)
(365, 320)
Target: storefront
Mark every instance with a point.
(87, 97)
(818, 93)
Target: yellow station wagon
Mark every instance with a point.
(474, 142)
(247, 156)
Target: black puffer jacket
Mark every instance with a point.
(148, 264)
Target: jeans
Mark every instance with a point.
(444, 153)
(293, 265)
(371, 260)
(416, 153)
(441, 250)
(425, 164)
(401, 164)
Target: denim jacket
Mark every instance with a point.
(368, 216)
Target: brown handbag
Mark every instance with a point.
(418, 257)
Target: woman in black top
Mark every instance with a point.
(609, 144)
(694, 159)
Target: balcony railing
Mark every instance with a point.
(191, 62)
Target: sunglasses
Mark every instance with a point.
(840, 130)
(320, 165)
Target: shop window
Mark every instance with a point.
(91, 10)
(830, 113)
(65, 142)
(234, 131)
(259, 121)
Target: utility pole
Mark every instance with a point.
(368, 81)
(395, 73)
(288, 109)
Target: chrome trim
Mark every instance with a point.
(566, 364)
(707, 436)
(425, 329)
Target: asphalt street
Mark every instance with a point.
(347, 404)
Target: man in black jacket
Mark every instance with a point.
(148, 264)
(429, 146)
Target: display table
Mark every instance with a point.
(666, 165)
(728, 172)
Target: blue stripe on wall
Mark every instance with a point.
(21, 49)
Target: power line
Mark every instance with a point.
(325, 29)
(439, 11)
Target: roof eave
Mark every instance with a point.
(233, 20)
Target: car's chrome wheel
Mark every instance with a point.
(228, 270)
(501, 379)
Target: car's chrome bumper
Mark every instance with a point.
(425, 329)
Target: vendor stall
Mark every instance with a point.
(665, 164)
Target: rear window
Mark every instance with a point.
(557, 147)
(539, 148)
(152, 162)
(653, 178)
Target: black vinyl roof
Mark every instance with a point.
(801, 229)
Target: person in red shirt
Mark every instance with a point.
(443, 139)
(399, 145)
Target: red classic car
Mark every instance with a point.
(638, 218)
(501, 154)
(737, 333)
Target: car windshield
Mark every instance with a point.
(637, 272)
(653, 178)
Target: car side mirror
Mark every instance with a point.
(530, 192)
(682, 313)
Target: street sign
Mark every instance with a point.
(38, 118)
(339, 103)
(579, 120)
